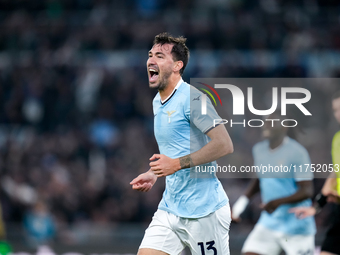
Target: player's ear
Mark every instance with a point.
(178, 66)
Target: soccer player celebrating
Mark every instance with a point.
(193, 212)
(330, 193)
(277, 229)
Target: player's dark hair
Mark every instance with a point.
(336, 95)
(180, 51)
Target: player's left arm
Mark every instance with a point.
(329, 189)
(305, 191)
(219, 146)
(327, 194)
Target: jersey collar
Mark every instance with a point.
(173, 92)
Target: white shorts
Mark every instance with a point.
(265, 241)
(171, 234)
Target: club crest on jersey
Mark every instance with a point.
(169, 115)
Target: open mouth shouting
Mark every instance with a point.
(153, 74)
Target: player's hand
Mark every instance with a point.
(237, 220)
(144, 182)
(239, 207)
(271, 206)
(303, 212)
(333, 198)
(162, 165)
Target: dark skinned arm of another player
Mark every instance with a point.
(305, 191)
(242, 202)
(253, 188)
(219, 146)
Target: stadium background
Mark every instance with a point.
(76, 122)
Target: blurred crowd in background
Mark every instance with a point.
(76, 121)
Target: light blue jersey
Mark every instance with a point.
(180, 130)
(290, 153)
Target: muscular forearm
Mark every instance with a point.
(330, 184)
(208, 153)
(151, 172)
(299, 196)
(219, 146)
(305, 191)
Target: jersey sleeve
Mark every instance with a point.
(204, 122)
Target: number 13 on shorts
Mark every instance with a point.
(209, 246)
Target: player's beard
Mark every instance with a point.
(163, 80)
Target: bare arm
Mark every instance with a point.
(328, 193)
(242, 202)
(330, 185)
(144, 182)
(253, 188)
(219, 146)
(305, 191)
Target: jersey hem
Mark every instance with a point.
(220, 205)
(211, 128)
(157, 249)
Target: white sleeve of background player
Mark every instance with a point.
(204, 122)
(302, 159)
(239, 206)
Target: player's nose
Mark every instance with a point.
(151, 61)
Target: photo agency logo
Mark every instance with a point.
(204, 99)
(281, 99)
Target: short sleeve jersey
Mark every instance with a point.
(180, 129)
(290, 153)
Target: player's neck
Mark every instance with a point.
(276, 142)
(173, 81)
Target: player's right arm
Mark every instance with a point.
(242, 202)
(219, 146)
(253, 188)
(304, 191)
(144, 182)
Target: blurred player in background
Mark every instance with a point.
(277, 229)
(330, 193)
(193, 212)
